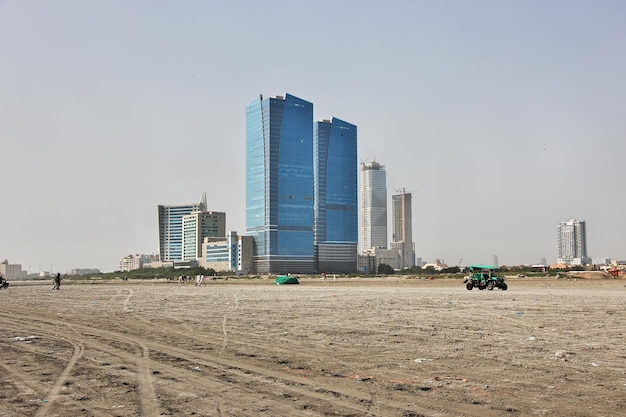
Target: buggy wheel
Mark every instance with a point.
(469, 286)
(504, 286)
(490, 286)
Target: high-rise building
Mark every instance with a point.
(373, 230)
(301, 188)
(402, 237)
(279, 184)
(171, 228)
(572, 243)
(336, 230)
(199, 225)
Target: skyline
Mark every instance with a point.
(502, 120)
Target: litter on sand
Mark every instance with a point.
(26, 339)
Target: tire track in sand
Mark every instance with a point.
(224, 331)
(267, 381)
(53, 394)
(241, 378)
(147, 397)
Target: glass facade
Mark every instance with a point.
(171, 228)
(336, 195)
(197, 226)
(279, 183)
(336, 182)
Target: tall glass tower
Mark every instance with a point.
(336, 196)
(279, 184)
(374, 206)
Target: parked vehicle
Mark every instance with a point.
(3, 283)
(484, 277)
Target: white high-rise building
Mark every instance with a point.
(572, 243)
(373, 229)
(171, 228)
(197, 226)
(402, 238)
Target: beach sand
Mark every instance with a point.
(354, 347)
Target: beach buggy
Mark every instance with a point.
(484, 276)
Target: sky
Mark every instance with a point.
(502, 118)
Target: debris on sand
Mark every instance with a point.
(563, 355)
(26, 339)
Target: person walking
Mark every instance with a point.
(57, 282)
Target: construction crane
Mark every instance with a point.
(368, 156)
(403, 190)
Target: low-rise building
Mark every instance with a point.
(131, 262)
(370, 259)
(10, 270)
(230, 253)
(84, 271)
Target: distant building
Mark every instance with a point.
(373, 229)
(10, 270)
(279, 184)
(494, 261)
(572, 243)
(402, 238)
(199, 225)
(366, 262)
(301, 188)
(132, 262)
(171, 228)
(84, 271)
(369, 260)
(230, 253)
(172, 264)
(437, 265)
(604, 260)
(336, 229)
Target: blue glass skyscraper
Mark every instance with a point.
(301, 188)
(336, 196)
(279, 184)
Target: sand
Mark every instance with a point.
(355, 347)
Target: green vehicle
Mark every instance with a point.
(484, 277)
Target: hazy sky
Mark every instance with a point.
(503, 118)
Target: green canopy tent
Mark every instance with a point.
(476, 268)
(286, 279)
